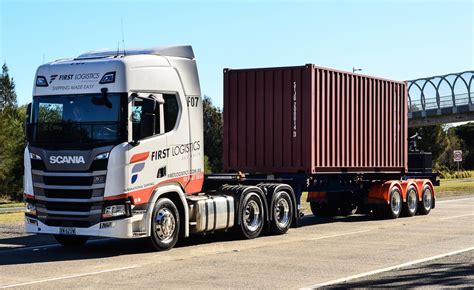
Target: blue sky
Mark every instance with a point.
(394, 39)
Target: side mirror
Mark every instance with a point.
(28, 122)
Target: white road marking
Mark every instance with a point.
(40, 247)
(339, 235)
(68, 277)
(454, 200)
(378, 271)
(456, 216)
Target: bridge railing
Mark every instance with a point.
(439, 96)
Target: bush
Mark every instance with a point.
(445, 174)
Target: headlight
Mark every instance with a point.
(30, 208)
(35, 156)
(114, 211)
(102, 156)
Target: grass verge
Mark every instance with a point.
(13, 204)
(11, 218)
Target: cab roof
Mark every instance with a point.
(184, 51)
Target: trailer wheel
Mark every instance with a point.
(411, 205)
(323, 209)
(426, 201)
(347, 209)
(164, 225)
(251, 216)
(393, 210)
(71, 241)
(282, 213)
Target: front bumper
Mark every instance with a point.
(126, 228)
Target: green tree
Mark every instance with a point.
(213, 137)
(7, 89)
(466, 134)
(12, 139)
(431, 139)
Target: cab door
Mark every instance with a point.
(148, 151)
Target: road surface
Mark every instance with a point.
(323, 252)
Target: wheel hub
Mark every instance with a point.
(165, 224)
(252, 216)
(427, 199)
(282, 210)
(412, 200)
(395, 203)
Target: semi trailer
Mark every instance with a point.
(115, 149)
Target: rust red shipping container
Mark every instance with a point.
(314, 120)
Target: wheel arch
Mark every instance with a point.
(175, 193)
(271, 189)
(406, 184)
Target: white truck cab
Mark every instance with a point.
(108, 134)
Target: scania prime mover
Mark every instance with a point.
(115, 149)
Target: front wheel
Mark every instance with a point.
(71, 241)
(164, 225)
(282, 213)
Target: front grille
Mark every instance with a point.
(62, 193)
(96, 165)
(69, 199)
(70, 180)
(70, 206)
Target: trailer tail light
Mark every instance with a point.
(108, 78)
(41, 81)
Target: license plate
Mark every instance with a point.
(67, 231)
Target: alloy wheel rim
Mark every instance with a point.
(165, 225)
(252, 216)
(427, 199)
(395, 203)
(282, 213)
(411, 200)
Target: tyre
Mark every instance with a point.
(393, 210)
(411, 205)
(426, 201)
(71, 241)
(323, 209)
(347, 209)
(164, 225)
(282, 212)
(251, 216)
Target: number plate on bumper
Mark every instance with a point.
(67, 231)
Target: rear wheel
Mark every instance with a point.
(411, 205)
(251, 216)
(164, 225)
(71, 241)
(426, 201)
(282, 213)
(394, 208)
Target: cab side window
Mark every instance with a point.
(145, 118)
(171, 111)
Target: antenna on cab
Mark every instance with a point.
(123, 38)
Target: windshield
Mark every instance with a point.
(77, 120)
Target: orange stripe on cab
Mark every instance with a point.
(139, 157)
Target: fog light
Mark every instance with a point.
(30, 208)
(99, 179)
(114, 211)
